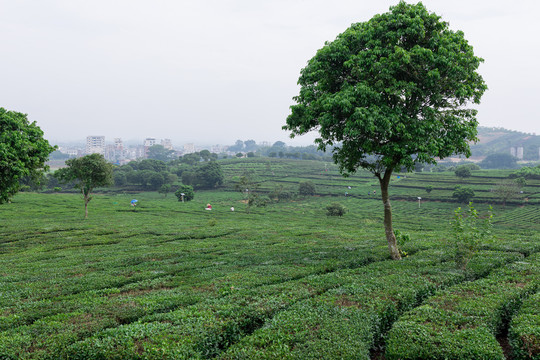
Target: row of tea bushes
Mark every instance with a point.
(203, 329)
(524, 332)
(463, 321)
(350, 320)
(207, 328)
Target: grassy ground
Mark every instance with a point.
(171, 280)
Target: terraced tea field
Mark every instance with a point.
(169, 280)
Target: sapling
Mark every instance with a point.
(470, 232)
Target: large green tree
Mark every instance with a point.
(389, 93)
(88, 172)
(158, 152)
(23, 152)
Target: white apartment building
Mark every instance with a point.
(95, 145)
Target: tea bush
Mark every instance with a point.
(524, 332)
(462, 322)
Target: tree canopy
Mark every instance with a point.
(389, 93)
(23, 152)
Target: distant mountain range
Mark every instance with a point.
(500, 140)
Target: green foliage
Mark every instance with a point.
(257, 200)
(524, 331)
(402, 239)
(158, 152)
(165, 189)
(384, 86)
(527, 173)
(306, 188)
(471, 166)
(462, 322)
(88, 172)
(208, 176)
(463, 172)
(335, 209)
(499, 161)
(429, 188)
(470, 232)
(463, 194)
(170, 281)
(507, 190)
(23, 152)
(188, 192)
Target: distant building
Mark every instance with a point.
(72, 152)
(167, 144)
(95, 145)
(189, 148)
(118, 144)
(218, 149)
(517, 151)
(148, 142)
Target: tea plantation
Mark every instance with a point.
(169, 280)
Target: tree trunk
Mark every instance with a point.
(390, 236)
(86, 200)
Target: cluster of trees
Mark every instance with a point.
(527, 172)
(278, 150)
(198, 170)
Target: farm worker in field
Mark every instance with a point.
(232, 208)
(134, 202)
(208, 207)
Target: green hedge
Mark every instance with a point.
(462, 322)
(524, 332)
(371, 298)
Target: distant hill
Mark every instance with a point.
(500, 140)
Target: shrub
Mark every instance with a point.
(463, 194)
(188, 192)
(463, 172)
(524, 332)
(462, 322)
(335, 209)
(306, 188)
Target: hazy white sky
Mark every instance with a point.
(213, 71)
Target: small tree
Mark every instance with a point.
(335, 209)
(507, 190)
(469, 234)
(306, 188)
(164, 189)
(463, 194)
(429, 188)
(187, 191)
(463, 172)
(88, 172)
(23, 152)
